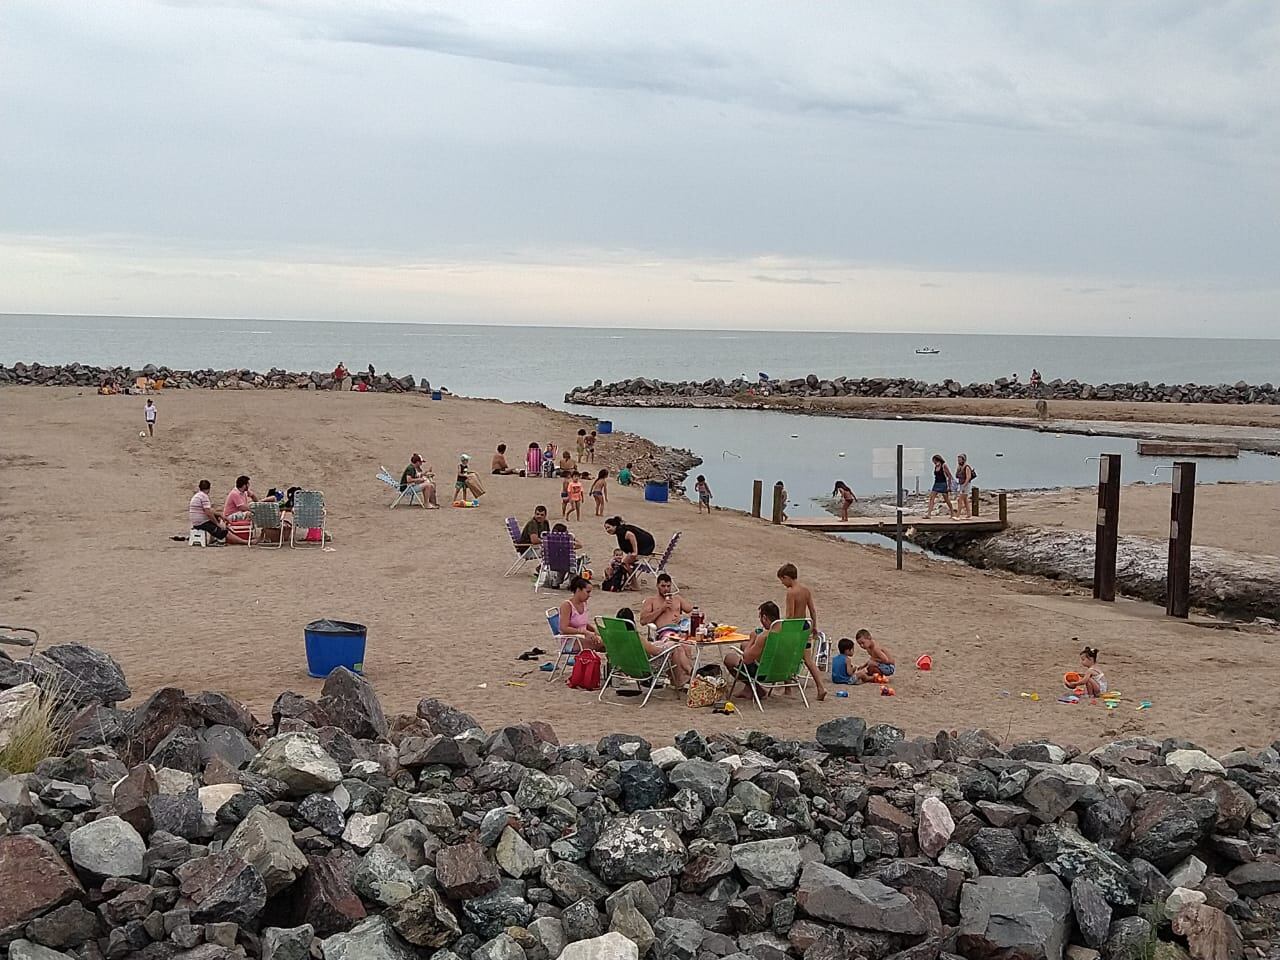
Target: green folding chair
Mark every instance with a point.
(266, 516)
(780, 662)
(628, 658)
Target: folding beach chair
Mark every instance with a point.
(628, 659)
(646, 567)
(780, 663)
(557, 558)
(414, 497)
(308, 515)
(567, 644)
(533, 462)
(265, 515)
(524, 551)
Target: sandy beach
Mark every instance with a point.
(90, 509)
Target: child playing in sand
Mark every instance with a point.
(624, 476)
(574, 487)
(840, 663)
(879, 662)
(600, 491)
(847, 498)
(704, 494)
(1092, 679)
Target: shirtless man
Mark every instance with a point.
(800, 607)
(669, 612)
(498, 466)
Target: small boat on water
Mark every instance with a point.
(930, 351)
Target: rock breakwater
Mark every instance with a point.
(186, 829)
(642, 390)
(87, 375)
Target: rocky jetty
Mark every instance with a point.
(642, 391)
(185, 829)
(87, 375)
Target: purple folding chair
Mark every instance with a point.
(557, 558)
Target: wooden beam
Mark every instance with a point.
(757, 494)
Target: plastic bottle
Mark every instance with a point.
(695, 621)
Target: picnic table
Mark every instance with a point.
(735, 640)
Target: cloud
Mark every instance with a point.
(802, 281)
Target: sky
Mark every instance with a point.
(1084, 167)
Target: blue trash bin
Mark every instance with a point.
(334, 643)
(436, 395)
(604, 426)
(655, 492)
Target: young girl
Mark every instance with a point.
(582, 446)
(591, 447)
(704, 494)
(600, 492)
(846, 496)
(1092, 679)
(564, 498)
(574, 489)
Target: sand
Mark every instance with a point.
(89, 509)
(1235, 516)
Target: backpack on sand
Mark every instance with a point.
(586, 671)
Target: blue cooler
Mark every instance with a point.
(334, 643)
(604, 426)
(436, 395)
(655, 492)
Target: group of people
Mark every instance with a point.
(946, 483)
(419, 480)
(217, 524)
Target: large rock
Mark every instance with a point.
(264, 840)
(349, 703)
(84, 675)
(1164, 830)
(383, 878)
(324, 897)
(423, 919)
(825, 893)
(1253, 880)
(131, 797)
(287, 943)
(612, 946)
(642, 846)
(772, 864)
(445, 719)
(1092, 911)
(935, 827)
(26, 950)
(1071, 856)
(298, 761)
(109, 847)
(1050, 794)
(222, 888)
(14, 703)
(514, 854)
(1014, 918)
(999, 852)
(843, 736)
(33, 878)
(504, 907)
(1130, 937)
(153, 719)
(569, 882)
(464, 871)
(1210, 933)
(706, 780)
(179, 750)
(218, 709)
(370, 939)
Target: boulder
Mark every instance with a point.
(444, 719)
(1129, 937)
(423, 919)
(222, 887)
(1092, 911)
(370, 939)
(843, 736)
(999, 852)
(34, 879)
(263, 840)
(324, 898)
(1164, 829)
(132, 795)
(641, 846)
(827, 894)
(708, 781)
(611, 946)
(65, 927)
(465, 871)
(84, 675)
(383, 878)
(936, 826)
(491, 914)
(1210, 933)
(287, 943)
(1071, 856)
(153, 719)
(1027, 918)
(1188, 761)
(298, 761)
(349, 703)
(1253, 880)
(109, 847)
(772, 864)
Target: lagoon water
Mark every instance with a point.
(542, 363)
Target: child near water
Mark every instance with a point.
(879, 659)
(704, 494)
(600, 492)
(1092, 679)
(847, 498)
(574, 488)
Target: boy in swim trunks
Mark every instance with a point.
(879, 662)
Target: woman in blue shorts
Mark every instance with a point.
(942, 481)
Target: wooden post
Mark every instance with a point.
(757, 494)
(1181, 508)
(898, 530)
(975, 500)
(1107, 533)
(779, 501)
(1002, 505)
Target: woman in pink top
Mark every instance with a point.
(236, 506)
(574, 620)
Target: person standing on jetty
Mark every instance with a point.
(847, 498)
(942, 480)
(965, 475)
(800, 606)
(149, 412)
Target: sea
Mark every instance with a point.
(808, 453)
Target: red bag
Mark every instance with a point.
(586, 671)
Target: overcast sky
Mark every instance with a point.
(1064, 167)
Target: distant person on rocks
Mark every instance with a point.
(800, 606)
(632, 540)
(1035, 382)
(418, 477)
(624, 476)
(203, 517)
(499, 466)
(942, 480)
(965, 475)
(536, 528)
(149, 412)
(341, 378)
(236, 506)
(847, 498)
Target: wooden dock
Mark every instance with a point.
(1186, 448)
(887, 526)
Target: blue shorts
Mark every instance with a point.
(886, 669)
(941, 488)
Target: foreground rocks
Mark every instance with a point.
(334, 831)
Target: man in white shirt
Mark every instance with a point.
(203, 517)
(149, 411)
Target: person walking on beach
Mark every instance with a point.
(591, 447)
(965, 475)
(149, 413)
(582, 446)
(800, 606)
(942, 480)
(600, 491)
(847, 498)
(704, 494)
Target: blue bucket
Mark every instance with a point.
(334, 643)
(436, 395)
(604, 426)
(655, 492)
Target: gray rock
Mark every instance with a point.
(432, 812)
(501, 947)
(298, 761)
(827, 894)
(322, 812)
(999, 852)
(26, 950)
(1164, 831)
(956, 857)
(1130, 938)
(287, 943)
(772, 864)
(423, 919)
(263, 840)
(641, 846)
(708, 781)
(1093, 912)
(370, 939)
(349, 703)
(222, 887)
(444, 719)
(612, 946)
(536, 791)
(881, 738)
(66, 927)
(843, 737)
(569, 883)
(383, 878)
(86, 675)
(643, 784)
(363, 830)
(1071, 856)
(108, 848)
(624, 746)
(638, 894)
(226, 743)
(678, 939)
(549, 933)
(514, 855)
(1024, 917)
(632, 924)
(492, 913)
(1050, 795)
(1255, 880)
(179, 750)
(408, 840)
(581, 921)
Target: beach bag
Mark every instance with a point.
(705, 691)
(586, 671)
